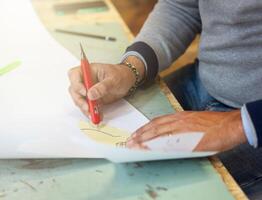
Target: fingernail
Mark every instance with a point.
(83, 92)
(92, 95)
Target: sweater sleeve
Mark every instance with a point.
(166, 34)
(253, 126)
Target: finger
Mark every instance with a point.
(100, 89)
(75, 75)
(100, 108)
(153, 132)
(79, 88)
(138, 147)
(161, 120)
(86, 113)
(155, 122)
(78, 100)
(177, 123)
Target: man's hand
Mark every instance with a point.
(223, 130)
(111, 82)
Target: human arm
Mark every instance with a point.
(157, 45)
(166, 34)
(222, 130)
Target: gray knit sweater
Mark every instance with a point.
(230, 52)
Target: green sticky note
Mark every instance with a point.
(8, 68)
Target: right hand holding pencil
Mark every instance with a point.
(111, 83)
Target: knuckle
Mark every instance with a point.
(103, 89)
(72, 71)
(155, 130)
(101, 74)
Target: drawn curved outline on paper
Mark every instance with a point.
(105, 134)
(90, 129)
(9, 67)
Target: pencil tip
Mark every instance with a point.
(82, 51)
(81, 46)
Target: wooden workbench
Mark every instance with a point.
(100, 179)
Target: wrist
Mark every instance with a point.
(239, 129)
(139, 65)
(135, 75)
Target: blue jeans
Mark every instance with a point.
(243, 162)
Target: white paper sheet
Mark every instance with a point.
(37, 116)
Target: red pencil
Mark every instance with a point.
(87, 77)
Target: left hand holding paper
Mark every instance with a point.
(222, 130)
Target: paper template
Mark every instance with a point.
(183, 142)
(105, 134)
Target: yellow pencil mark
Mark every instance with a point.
(105, 134)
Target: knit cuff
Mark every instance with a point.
(249, 128)
(150, 59)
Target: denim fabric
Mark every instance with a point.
(243, 162)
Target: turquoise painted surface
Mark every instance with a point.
(98, 179)
(95, 179)
(151, 102)
(97, 50)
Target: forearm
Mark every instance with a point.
(170, 29)
(167, 33)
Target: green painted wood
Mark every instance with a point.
(151, 102)
(93, 179)
(97, 50)
(98, 179)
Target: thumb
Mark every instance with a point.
(100, 89)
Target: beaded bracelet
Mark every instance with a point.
(137, 76)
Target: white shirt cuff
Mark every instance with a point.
(249, 128)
